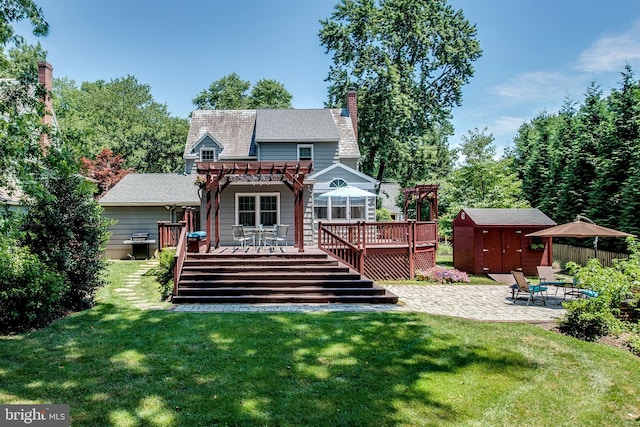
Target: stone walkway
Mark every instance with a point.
(476, 302)
(128, 292)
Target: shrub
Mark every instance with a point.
(443, 275)
(634, 340)
(445, 248)
(383, 215)
(30, 292)
(65, 228)
(589, 319)
(164, 272)
(592, 318)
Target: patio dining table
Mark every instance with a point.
(259, 233)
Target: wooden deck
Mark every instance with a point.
(273, 275)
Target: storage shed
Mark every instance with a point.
(493, 240)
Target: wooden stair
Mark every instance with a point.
(274, 278)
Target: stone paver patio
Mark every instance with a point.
(477, 302)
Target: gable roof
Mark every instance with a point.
(348, 146)
(238, 131)
(153, 189)
(289, 125)
(516, 217)
(233, 129)
(327, 174)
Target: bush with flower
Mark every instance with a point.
(442, 275)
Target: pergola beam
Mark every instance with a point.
(292, 174)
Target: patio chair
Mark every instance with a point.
(524, 287)
(242, 237)
(548, 278)
(581, 292)
(278, 236)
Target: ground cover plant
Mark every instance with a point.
(120, 366)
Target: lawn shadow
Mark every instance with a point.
(117, 366)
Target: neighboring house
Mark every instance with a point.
(262, 166)
(494, 240)
(388, 194)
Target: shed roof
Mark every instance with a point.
(515, 217)
(153, 189)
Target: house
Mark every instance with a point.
(388, 194)
(494, 241)
(139, 200)
(265, 166)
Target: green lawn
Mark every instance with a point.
(119, 366)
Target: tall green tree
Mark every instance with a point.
(592, 125)
(122, 116)
(481, 181)
(409, 60)
(615, 154)
(21, 62)
(14, 11)
(20, 128)
(232, 93)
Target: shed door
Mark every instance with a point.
(501, 250)
(511, 251)
(492, 250)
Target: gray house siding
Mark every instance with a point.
(324, 153)
(228, 208)
(130, 219)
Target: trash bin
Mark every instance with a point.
(193, 240)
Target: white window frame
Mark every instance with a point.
(305, 146)
(257, 212)
(207, 149)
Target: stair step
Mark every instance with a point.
(359, 283)
(262, 269)
(306, 290)
(260, 262)
(284, 299)
(270, 276)
(274, 278)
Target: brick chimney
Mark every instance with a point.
(45, 77)
(352, 108)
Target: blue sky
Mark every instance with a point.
(536, 52)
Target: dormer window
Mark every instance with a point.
(305, 152)
(207, 155)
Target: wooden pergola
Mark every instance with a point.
(218, 175)
(420, 193)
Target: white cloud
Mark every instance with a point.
(612, 52)
(535, 86)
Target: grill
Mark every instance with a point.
(138, 237)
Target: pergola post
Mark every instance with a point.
(290, 174)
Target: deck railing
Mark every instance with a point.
(169, 233)
(179, 257)
(335, 240)
(349, 241)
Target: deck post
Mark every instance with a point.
(412, 249)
